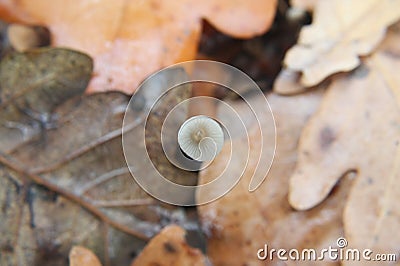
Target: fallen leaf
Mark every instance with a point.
(80, 256)
(357, 129)
(19, 37)
(131, 39)
(70, 184)
(341, 32)
(240, 223)
(23, 37)
(287, 83)
(30, 89)
(154, 127)
(169, 248)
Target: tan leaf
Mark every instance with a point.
(304, 4)
(23, 37)
(240, 223)
(169, 248)
(357, 128)
(341, 31)
(81, 256)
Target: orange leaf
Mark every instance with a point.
(130, 39)
(170, 248)
(80, 256)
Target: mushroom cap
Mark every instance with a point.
(201, 138)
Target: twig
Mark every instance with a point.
(123, 203)
(101, 179)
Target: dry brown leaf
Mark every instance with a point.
(357, 128)
(341, 31)
(69, 185)
(130, 39)
(81, 256)
(83, 195)
(170, 248)
(240, 223)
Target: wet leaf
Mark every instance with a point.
(341, 32)
(244, 222)
(80, 256)
(357, 129)
(169, 248)
(131, 39)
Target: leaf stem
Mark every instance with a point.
(74, 198)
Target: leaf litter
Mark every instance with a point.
(75, 189)
(68, 183)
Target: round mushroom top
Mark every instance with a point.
(201, 138)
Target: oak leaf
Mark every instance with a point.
(68, 183)
(357, 129)
(240, 223)
(341, 32)
(130, 39)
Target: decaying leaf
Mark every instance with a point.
(70, 184)
(30, 89)
(154, 127)
(130, 39)
(170, 248)
(241, 223)
(341, 32)
(80, 256)
(27, 80)
(357, 128)
(60, 189)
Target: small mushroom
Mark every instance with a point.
(201, 138)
